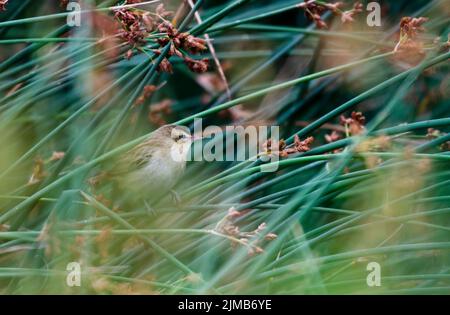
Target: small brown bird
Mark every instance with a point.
(153, 167)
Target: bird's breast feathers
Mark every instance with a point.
(159, 173)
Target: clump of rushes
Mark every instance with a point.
(252, 240)
(280, 148)
(315, 9)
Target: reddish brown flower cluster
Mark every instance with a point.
(300, 145)
(164, 65)
(348, 16)
(158, 111)
(3, 4)
(333, 136)
(132, 31)
(314, 11)
(146, 93)
(272, 146)
(411, 27)
(180, 40)
(136, 24)
(252, 240)
(179, 44)
(280, 148)
(354, 125)
(197, 66)
(409, 47)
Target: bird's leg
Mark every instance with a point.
(176, 198)
(150, 210)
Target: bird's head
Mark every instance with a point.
(177, 138)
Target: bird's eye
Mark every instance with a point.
(181, 136)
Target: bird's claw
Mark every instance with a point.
(150, 210)
(176, 198)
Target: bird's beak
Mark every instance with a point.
(195, 138)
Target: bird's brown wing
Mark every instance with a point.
(132, 160)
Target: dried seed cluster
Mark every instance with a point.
(280, 148)
(136, 25)
(354, 125)
(146, 94)
(333, 136)
(411, 27)
(315, 9)
(252, 240)
(180, 45)
(410, 48)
